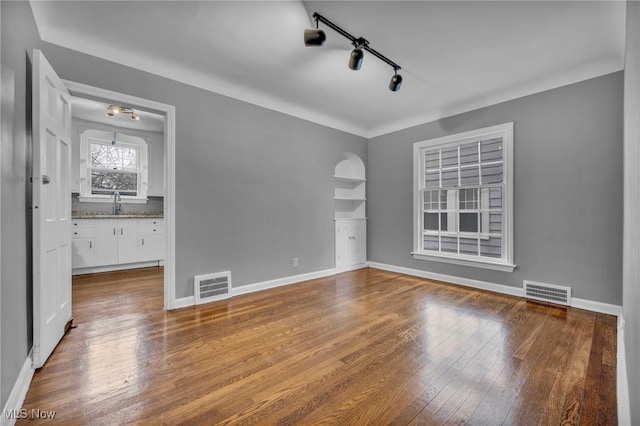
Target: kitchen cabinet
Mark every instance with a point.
(151, 239)
(82, 243)
(112, 244)
(116, 241)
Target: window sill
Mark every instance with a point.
(109, 199)
(496, 266)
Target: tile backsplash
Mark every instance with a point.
(154, 204)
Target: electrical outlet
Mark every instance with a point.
(295, 262)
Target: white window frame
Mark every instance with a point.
(91, 136)
(505, 263)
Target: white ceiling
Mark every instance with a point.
(90, 110)
(455, 56)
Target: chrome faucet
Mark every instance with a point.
(117, 205)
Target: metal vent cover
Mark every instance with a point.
(211, 287)
(548, 292)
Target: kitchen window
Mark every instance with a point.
(112, 162)
(463, 199)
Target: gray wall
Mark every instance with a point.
(567, 193)
(19, 36)
(631, 285)
(254, 187)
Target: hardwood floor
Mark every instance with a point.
(363, 347)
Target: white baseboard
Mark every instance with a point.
(111, 268)
(622, 384)
(184, 302)
(245, 289)
(264, 285)
(350, 268)
(588, 305)
(18, 393)
(483, 285)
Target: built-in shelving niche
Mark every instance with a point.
(350, 187)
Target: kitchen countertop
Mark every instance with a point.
(107, 215)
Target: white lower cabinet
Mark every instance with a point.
(101, 243)
(351, 243)
(83, 242)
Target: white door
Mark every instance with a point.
(51, 209)
(106, 242)
(343, 244)
(127, 240)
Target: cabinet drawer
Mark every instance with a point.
(153, 222)
(82, 223)
(82, 232)
(150, 229)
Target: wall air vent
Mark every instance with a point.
(547, 292)
(212, 287)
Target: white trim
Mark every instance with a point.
(184, 302)
(593, 306)
(622, 384)
(467, 282)
(110, 268)
(505, 131)
(588, 305)
(264, 285)
(464, 262)
(19, 390)
(341, 269)
(294, 279)
(169, 112)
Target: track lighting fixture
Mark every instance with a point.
(317, 37)
(113, 110)
(396, 81)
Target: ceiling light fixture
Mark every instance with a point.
(316, 37)
(113, 110)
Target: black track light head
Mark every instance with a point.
(396, 81)
(355, 59)
(314, 37)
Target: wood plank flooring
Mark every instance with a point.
(362, 347)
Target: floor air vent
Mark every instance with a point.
(211, 287)
(548, 292)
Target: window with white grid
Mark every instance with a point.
(462, 198)
(112, 162)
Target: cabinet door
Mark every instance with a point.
(150, 247)
(106, 242)
(343, 244)
(358, 242)
(82, 252)
(127, 240)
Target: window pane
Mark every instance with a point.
(432, 159)
(470, 176)
(114, 157)
(444, 221)
(491, 247)
(443, 200)
(491, 150)
(468, 199)
(468, 222)
(108, 182)
(431, 221)
(431, 242)
(495, 222)
(450, 157)
(469, 153)
(491, 173)
(469, 246)
(449, 244)
(449, 178)
(431, 200)
(432, 179)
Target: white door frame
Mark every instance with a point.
(169, 112)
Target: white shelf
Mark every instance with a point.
(349, 179)
(349, 199)
(349, 218)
